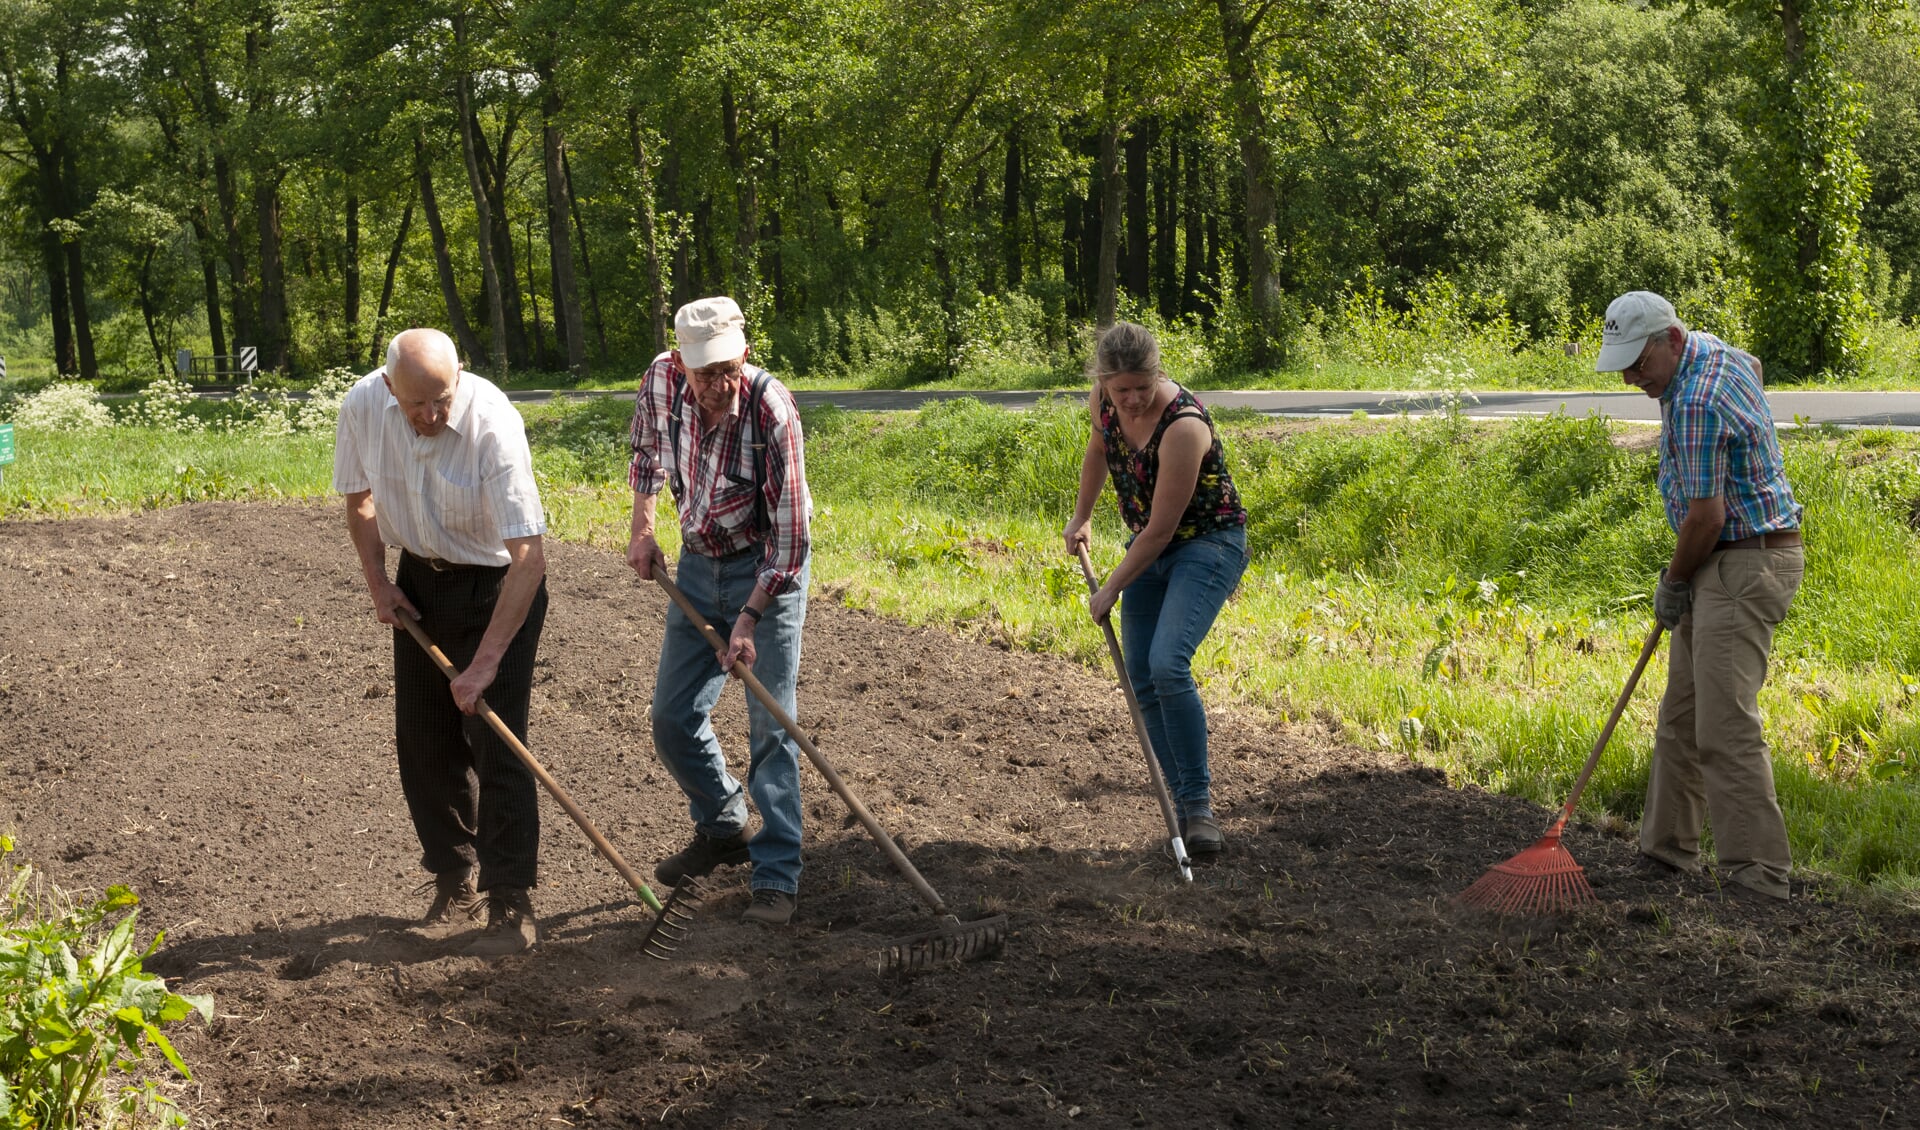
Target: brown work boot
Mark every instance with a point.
(770, 907)
(456, 905)
(510, 924)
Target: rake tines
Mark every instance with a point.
(1543, 879)
(953, 941)
(675, 920)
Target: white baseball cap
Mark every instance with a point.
(1632, 318)
(710, 331)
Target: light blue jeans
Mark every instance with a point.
(687, 688)
(1164, 614)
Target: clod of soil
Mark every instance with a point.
(194, 706)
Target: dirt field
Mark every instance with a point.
(197, 703)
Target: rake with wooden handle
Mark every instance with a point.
(672, 918)
(953, 939)
(1179, 843)
(1544, 879)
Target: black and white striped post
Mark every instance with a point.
(250, 360)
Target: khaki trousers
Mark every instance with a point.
(1710, 756)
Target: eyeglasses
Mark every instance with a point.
(1638, 368)
(715, 374)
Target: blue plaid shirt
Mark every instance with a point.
(1717, 441)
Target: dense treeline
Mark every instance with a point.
(916, 186)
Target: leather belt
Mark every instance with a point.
(1776, 539)
(439, 566)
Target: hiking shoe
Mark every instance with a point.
(1204, 838)
(699, 858)
(510, 924)
(770, 907)
(456, 905)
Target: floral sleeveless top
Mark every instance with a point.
(1215, 504)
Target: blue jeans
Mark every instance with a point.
(1164, 614)
(686, 690)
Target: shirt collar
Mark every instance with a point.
(1682, 369)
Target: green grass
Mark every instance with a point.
(1471, 595)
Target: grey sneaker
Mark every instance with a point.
(456, 905)
(700, 857)
(510, 924)
(1204, 838)
(770, 907)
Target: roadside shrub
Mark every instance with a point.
(79, 1012)
(167, 403)
(64, 406)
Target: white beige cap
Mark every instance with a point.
(1632, 318)
(710, 331)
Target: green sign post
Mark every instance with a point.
(6, 445)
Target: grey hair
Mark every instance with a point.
(1125, 347)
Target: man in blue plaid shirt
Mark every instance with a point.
(1737, 562)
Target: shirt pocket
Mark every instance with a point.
(460, 507)
(732, 505)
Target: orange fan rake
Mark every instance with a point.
(1545, 879)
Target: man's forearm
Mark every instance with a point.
(1699, 534)
(643, 514)
(517, 590)
(363, 527)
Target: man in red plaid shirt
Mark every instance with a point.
(726, 437)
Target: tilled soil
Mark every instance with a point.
(196, 702)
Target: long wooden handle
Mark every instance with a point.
(586, 825)
(1139, 720)
(745, 674)
(1606, 731)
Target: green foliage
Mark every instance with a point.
(79, 1011)
(1801, 190)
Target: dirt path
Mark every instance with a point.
(195, 702)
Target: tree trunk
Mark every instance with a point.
(1139, 266)
(239, 280)
(64, 361)
(568, 324)
(1010, 188)
(393, 268)
(1072, 219)
(449, 290)
(275, 332)
(746, 205)
(586, 263)
(656, 296)
(350, 266)
(147, 312)
(1248, 117)
(1166, 228)
(494, 171)
(483, 228)
(533, 297)
(1113, 188)
(1195, 236)
(209, 277)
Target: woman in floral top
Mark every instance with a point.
(1188, 550)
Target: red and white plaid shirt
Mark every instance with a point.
(716, 470)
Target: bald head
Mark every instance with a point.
(423, 368)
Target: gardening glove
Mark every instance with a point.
(1671, 601)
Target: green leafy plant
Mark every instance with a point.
(79, 1011)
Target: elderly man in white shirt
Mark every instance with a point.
(434, 460)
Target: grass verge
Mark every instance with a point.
(1470, 594)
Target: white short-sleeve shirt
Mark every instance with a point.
(457, 496)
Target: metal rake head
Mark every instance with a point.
(1543, 879)
(953, 941)
(675, 920)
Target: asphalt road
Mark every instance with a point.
(1847, 409)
